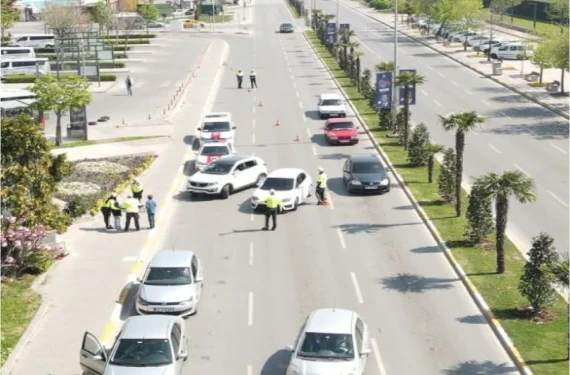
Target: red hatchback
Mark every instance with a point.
(341, 131)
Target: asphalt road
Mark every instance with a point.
(519, 134)
(368, 254)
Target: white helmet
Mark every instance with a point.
(321, 169)
(272, 191)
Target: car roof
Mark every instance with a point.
(331, 321)
(338, 119)
(171, 258)
(364, 158)
(147, 327)
(330, 96)
(286, 173)
(233, 159)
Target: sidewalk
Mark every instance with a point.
(514, 72)
(106, 150)
(79, 292)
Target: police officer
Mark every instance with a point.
(106, 210)
(137, 190)
(273, 204)
(116, 211)
(239, 76)
(131, 207)
(253, 79)
(321, 186)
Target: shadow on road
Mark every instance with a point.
(369, 228)
(426, 250)
(477, 367)
(277, 363)
(189, 168)
(473, 319)
(128, 309)
(543, 131)
(319, 139)
(336, 185)
(335, 156)
(245, 207)
(313, 115)
(409, 283)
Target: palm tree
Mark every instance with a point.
(560, 270)
(385, 66)
(462, 123)
(357, 67)
(346, 34)
(407, 80)
(431, 150)
(501, 188)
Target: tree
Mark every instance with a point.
(542, 57)
(446, 179)
(557, 11)
(479, 215)
(61, 96)
(501, 188)
(470, 12)
(559, 49)
(535, 284)
(560, 272)
(416, 152)
(102, 14)
(408, 80)
(462, 123)
(29, 175)
(64, 20)
(385, 66)
(149, 13)
(431, 150)
(357, 68)
(346, 34)
(8, 16)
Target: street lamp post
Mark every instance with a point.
(395, 73)
(534, 16)
(337, 6)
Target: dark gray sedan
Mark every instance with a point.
(364, 173)
(286, 28)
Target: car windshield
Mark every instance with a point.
(218, 168)
(327, 346)
(341, 125)
(168, 276)
(331, 102)
(218, 126)
(287, 26)
(367, 167)
(142, 353)
(216, 150)
(278, 184)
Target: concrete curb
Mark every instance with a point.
(475, 295)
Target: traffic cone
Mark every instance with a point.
(260, 104)
(277, 123)
(297, 138)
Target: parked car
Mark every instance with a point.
(292, 185)
(512, 51)
(365, 173)
(193, 23)
(475, 39)
(486, 50)
(341, 131)
(156, 25)
(485, 44)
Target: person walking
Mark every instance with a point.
(106, 210)
(273, 204)
(137, 190)
(131, 207)
(116, 211)
(239, 76)
(321, 187)
(150, 210)
(253, 79)
(129, 85)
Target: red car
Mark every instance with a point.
(341, 131)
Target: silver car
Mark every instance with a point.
(172, 284)
(145, 345)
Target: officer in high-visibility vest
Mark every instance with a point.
(321, 186)
(253, 79)
(137, 190)
(273, 204)
(239, 76)
(131, 207)
(106, 209)
(116, 211)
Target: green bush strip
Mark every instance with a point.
(73, 65)
(103, 141)
(68, 59)
(122, 42)
(130, 36)
(119, 48)
(32, 78)
(294, 6)
(543, 346)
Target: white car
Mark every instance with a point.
(293, 186)
(331, 105)
(210, 152)
(481, 45)
(332, 341)
(228, 175)
(217, 129)
(476, 39)
(213, 115)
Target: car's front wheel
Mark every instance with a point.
(296, 204)
(226, 191)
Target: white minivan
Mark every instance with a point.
(13, 53)
(512, 51)
(35, 40)
(25, 66)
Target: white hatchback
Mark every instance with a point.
(210, 152)
(217, 129)
(293, 186)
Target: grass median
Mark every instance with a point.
(92, 142)
(542, 28)
(543, 346)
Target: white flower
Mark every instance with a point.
(105, 167)
(77, 188)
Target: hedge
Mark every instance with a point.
(132, 36)
(53, 57)
(126, 42)
(102, 65)
(118, 48)
(32, 78)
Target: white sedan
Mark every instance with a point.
(293, 186)
(210, 152)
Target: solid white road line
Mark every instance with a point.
(377, 357)
(423, 92)
(297, 93)
(468, 92)
(484, 102)
(309, 132)
(493, 148)
(292, 76)
(455, 83)
(294, 85)
(251, 253)
(440, 74)
(520, 169)
(558, 148)
(341, 238)
(365, 46)
(249, 370)
(314, 150)
(250, 309)
(253, 110)
(130, 259)
(558, 199)
(253, 123)
(253, 138)
(356, 288)
(436, 102)
(430, 68)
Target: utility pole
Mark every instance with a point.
(337, 5)
(395, 72)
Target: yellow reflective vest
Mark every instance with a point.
(322, 180)
(136, 188)
(273, 202)
(131, 205)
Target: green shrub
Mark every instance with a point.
(381, 4)
(118, 48)
(39, 261)
(75, 208)
(32, 78)
(129, 42)
(479, 215)
(132, 36)
(447, 177)
(416, 148)
(53, 57)
(102, 65)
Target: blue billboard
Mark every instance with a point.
(344, 26)
(384, 90)
(402, 90)
(331, 33)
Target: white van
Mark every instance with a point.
(512, 51)
(35, 40)
(25, 66)
(16, 53)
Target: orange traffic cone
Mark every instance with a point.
(277, 123)
(260, 104)
(297, 138)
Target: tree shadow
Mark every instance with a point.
(473, 319)
(525, 112)
(545, 361)
(480, 368)
(552, 130)
(406, 207)
(512, 314)
(459, 243)
(426, 54)
(101, 229)
(369, 228)
(277, 363)
(434, 203)
(515, 98)
(409, 283)
(426, 250)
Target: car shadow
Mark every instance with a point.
(313, 115)
(334, 156)
(189, 168)
(128, 297)
(245, 207)
(336, 185)
(277, 363)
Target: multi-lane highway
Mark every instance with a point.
(369, 254)
(519, 134)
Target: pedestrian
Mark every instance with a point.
(129, 84)
(106, 210)
(137, 190)
(150, 210)
(272, 204)
(131, 207)
(117, 213)
(239, 76)
(253, 79)
(321, 186)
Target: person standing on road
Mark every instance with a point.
(321, 186)
(273, 204)
(239, 76)
(129, 84)
(116, 211)
(131, 207)
(150, 210)
(106, 210)
(253, 79)
(137, 190)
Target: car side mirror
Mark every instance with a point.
(365, 352)
(289, 347)
(234, 127)
(199, 129)
(139, 279)
(199, 279)
(182, 356)
(358, 128)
